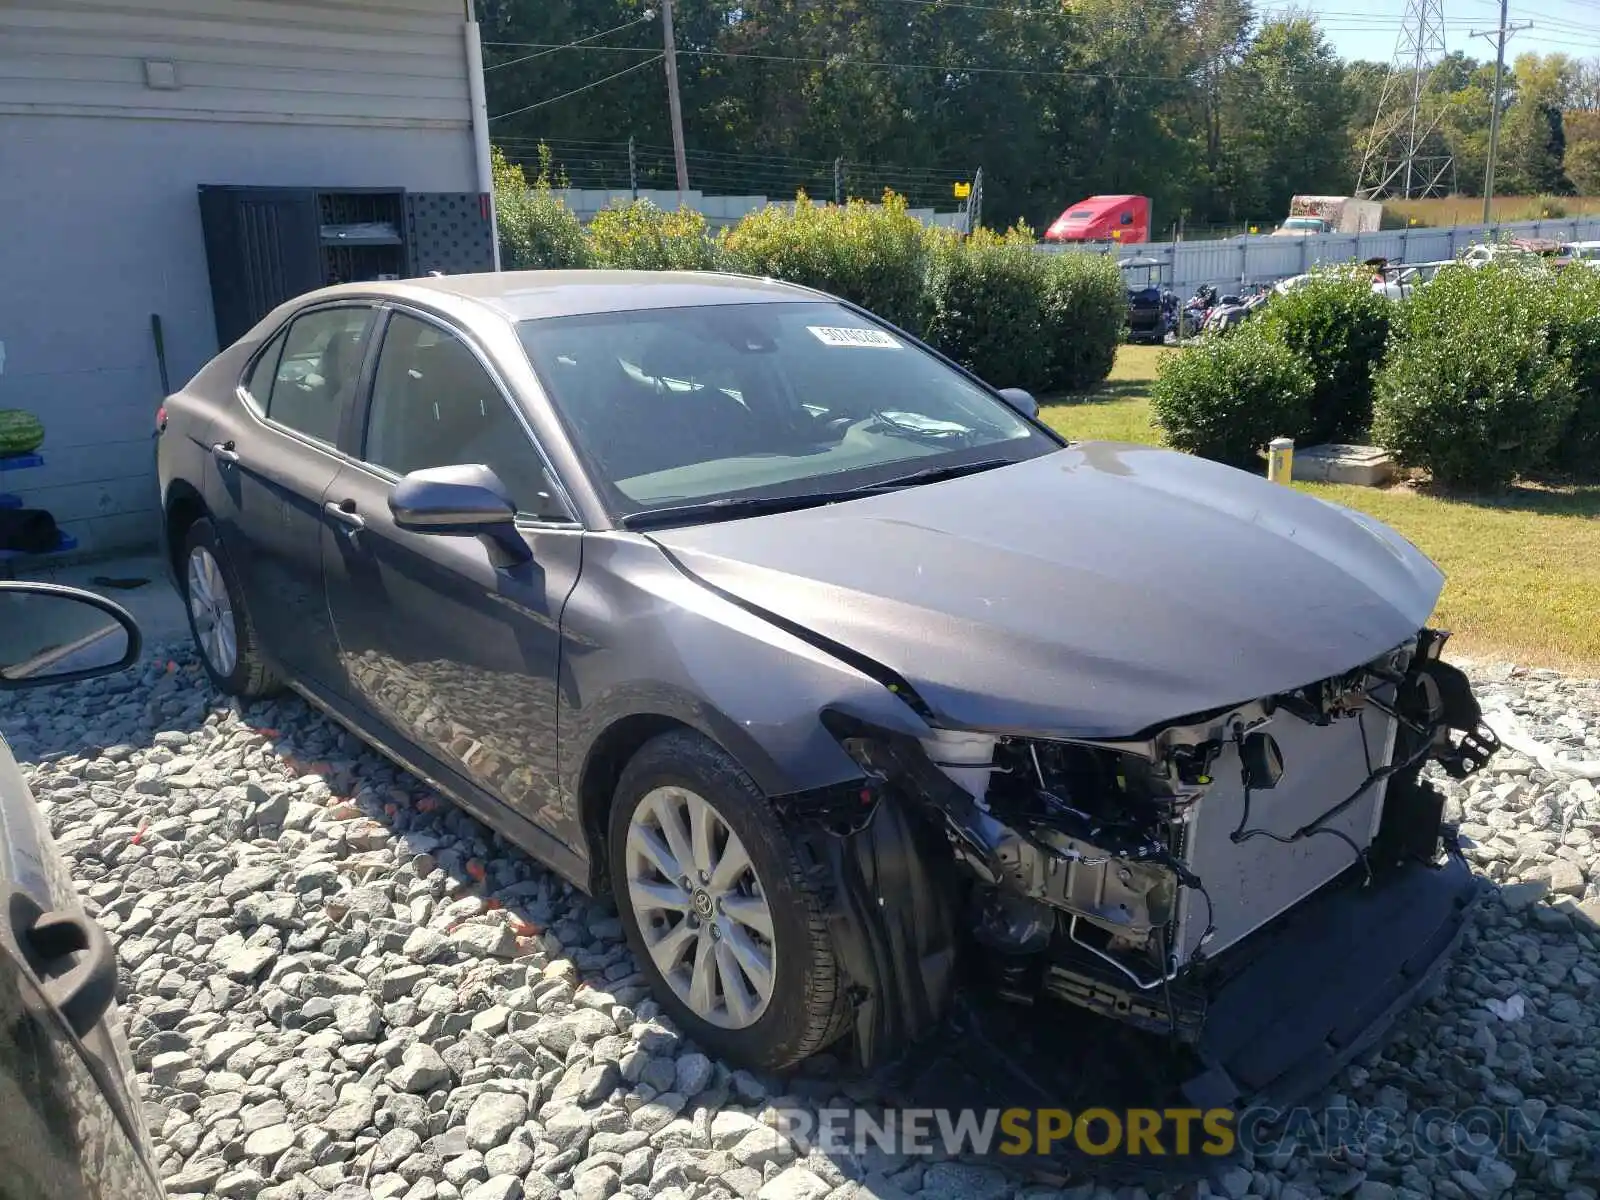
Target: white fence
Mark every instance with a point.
(1266, 259)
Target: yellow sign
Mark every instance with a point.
(1100, 1131)
(963, 190)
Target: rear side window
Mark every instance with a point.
(259, 382)
(309, 373)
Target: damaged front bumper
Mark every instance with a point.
(1322, 986)
(1264, 886)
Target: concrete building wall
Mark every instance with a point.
(99, 173)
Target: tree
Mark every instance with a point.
(1287, 124)
(1582, 159)
(1532, 139)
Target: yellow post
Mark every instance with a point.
(1280, 460)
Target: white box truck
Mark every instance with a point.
(1330, 214)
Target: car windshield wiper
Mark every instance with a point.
(934, 475)
(731, 508)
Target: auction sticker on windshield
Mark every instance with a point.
(830, 335)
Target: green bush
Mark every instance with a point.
(1085, 303)
(1473, 389)
(1050, 323)
(537, 231)
(1575, 333)
(1338, 327)
(986, 311)
(873, 255)
(641, 237)
(1225, 398)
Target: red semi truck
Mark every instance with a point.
(1103, 219)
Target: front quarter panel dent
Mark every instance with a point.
(645, 640)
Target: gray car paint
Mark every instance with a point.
(1093, 591)
(99, 1143)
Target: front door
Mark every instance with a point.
(274, 458)
(440, 638)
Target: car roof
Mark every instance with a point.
(530, 295)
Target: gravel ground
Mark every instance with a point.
(338, 985)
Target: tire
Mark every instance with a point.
(215, 601)
(804, 1008)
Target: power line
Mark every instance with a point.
(569, 45)
(541, 103)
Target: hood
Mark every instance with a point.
(1096, 591)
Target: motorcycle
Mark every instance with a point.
(1233, 310)
(1192, 319)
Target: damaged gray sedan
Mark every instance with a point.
(847, 677)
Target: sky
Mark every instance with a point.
(1368, 29)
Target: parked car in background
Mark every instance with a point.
(1401, 280)
(845, 675)
(71, 1122)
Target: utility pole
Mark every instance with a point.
(633, 169)
(1504, 31)
(673, 106)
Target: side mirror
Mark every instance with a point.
(467, 499)
(52, 634)
(1020, 400)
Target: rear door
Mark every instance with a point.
(71, 1127)
(452, 646)
(275, 453)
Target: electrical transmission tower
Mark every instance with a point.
(1404, 157)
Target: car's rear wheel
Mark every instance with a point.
(223, 631)
(717, 909)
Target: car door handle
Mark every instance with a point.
(84, 992)
(344, 511)
(225, 453)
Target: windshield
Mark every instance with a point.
(685, 405)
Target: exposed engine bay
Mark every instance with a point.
(1129, 876)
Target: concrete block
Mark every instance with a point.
(1364, 466)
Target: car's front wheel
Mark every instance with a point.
(223, 631)
(717, 909)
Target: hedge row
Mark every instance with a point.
(1017, 318)
(1484, 374)
(1477, 386)
(1303, 370)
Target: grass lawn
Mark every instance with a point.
(1523, 568)
(1468, 210)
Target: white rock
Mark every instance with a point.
(492, 1117)
(795, 1183)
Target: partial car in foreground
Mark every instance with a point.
(838, 668)
(71, 1125)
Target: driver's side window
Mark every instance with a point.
(434, 405)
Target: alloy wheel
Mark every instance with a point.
(212, 612)
(700, 907)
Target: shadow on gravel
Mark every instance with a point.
(280, 790)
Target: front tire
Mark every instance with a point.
(223, 632)
(716, 908)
